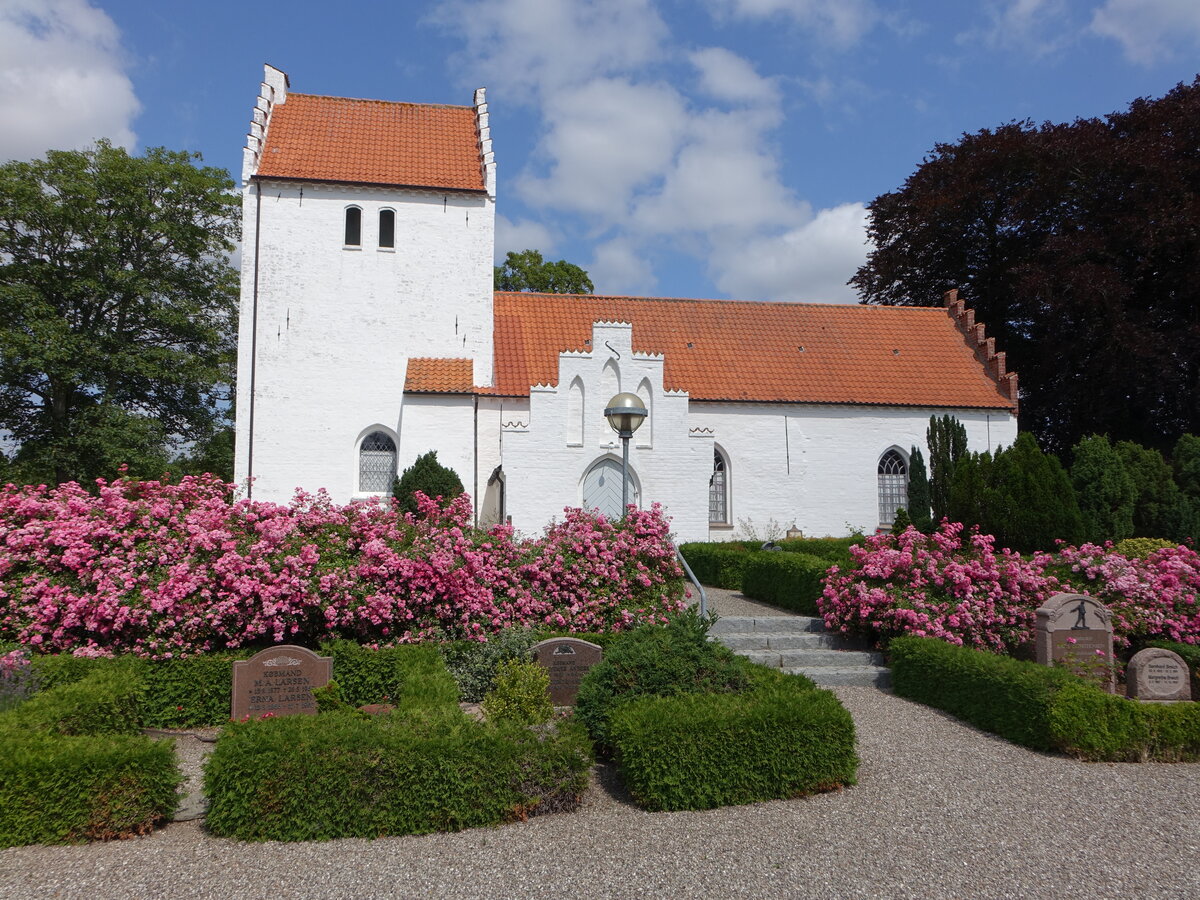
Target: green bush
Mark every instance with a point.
(656, 661)
(108, 701)
(57, 789)
(1042, 707)
(473, 664)
(1105, 490)
(344, 775)
(411, 676)
(428, 476)
(999, 694)
(700, 751)
(790, 580)
(521, 694)
(716, 564)
(1142, 547)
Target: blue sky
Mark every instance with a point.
(714, 148)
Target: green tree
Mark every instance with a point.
(1079, 245)
(1161, 509)
(1185, 461)
(972, 496)
(947, 439)
(918, 492)
(1106, 492)
(118, 308)
(527, 271)
(428, 476)
(213, 454)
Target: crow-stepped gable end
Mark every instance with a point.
(369, 321)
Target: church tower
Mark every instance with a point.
(368, 231)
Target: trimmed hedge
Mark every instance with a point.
(346, 775)
(701, 751)
(57, 789)
(1042, 707)
(788, 580)
(716, 564)
(411, 676)
(108, 701)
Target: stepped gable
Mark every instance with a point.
(762, 352)
(984, 347)
(339, 139)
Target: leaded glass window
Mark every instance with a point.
(718, 494)
(893, 486)
(376, 463)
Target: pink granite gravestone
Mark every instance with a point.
(279, 681)
(1158, 674)
(1074, 630)
(568, 660)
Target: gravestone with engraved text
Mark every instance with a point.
(1158, 674)
(568, 660)
(1075, 631)
(279, 681)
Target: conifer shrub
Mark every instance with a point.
(60, 789)
(656, 661)
(1105, 490)
(1161, 509)
(789, 580)
(919, 492)
(521, 694)
(701, 751)
(345, 775)
(429, 477)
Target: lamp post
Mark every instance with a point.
(625, 413)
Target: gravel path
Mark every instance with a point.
(941, 811)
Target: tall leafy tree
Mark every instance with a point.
(117, 308)
(527, 271)
(947, 439)
(1079, 245)
(1106, 492)
(1161, 509)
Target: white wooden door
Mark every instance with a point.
(602, 489)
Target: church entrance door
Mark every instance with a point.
(602, 489)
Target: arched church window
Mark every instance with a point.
(387, 229)
(893, 486)
(376, 463)
(718, 490)
(353, 226)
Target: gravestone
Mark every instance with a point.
(1158, 674)
(280, 681)
(1076, 631)
(568, 660)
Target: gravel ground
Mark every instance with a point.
(941, 811)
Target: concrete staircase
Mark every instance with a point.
(800, 645)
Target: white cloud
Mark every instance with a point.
(526, 48)
(521, 235)
(1150, 30)
(62, 78)
(812, 262)
(841, 23)
(1036, 27)
(606, 140)
(726, 76)
(616, 268)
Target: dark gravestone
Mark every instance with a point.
(1158, 674)
(279, 681)
(1075, 631)
(568, 660)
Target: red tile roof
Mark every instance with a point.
(428, 375)
(373, 142)
(759, 352)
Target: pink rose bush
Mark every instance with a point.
(961, 589)
(165, 570)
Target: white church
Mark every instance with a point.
(370, 334)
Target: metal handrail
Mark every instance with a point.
(692, 577)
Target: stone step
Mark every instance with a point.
(846, 676)
(753, 624)
(784, 659)
(774, 640)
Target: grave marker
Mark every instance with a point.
(280, 681)
(1158, 674)
(1076, 631)
(568, 660)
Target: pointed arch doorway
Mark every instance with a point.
(602, 488)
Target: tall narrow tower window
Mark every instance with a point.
(353, 226)
(387, 229)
